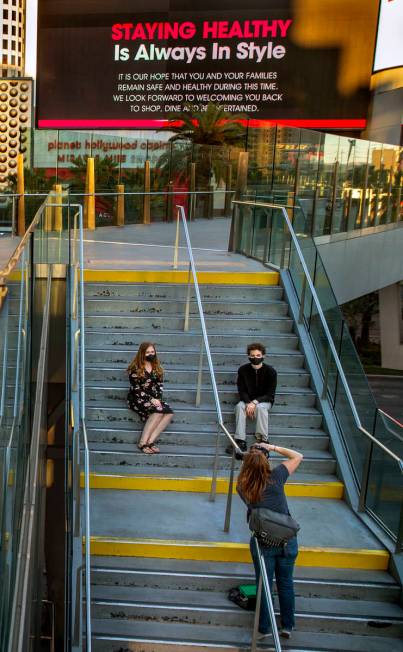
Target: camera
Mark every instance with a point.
(262, 449)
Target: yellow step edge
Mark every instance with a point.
(235, 552)
(202, 485)
(178, 276)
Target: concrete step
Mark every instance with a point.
(154, 307)
(174, 376)
(319, 462)
(177, 291)
(205, 418)
(223, 359)
(165, 322)
(362, 617)
(141, 479)
(202, 576)
(288, 437)
(172, 340)
(123, 635)
(299, 397)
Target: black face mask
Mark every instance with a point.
(256, 361)
(150, 357)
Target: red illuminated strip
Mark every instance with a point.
(155, 124)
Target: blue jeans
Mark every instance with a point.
(279, 561)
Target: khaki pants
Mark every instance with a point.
(261, 417)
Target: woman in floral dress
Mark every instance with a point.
(145, 396)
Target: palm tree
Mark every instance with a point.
(209, 134)
(214, 126)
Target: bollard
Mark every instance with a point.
(89, 204)
(58, 210)
(147, 186)
(120, 209)
(20, 192)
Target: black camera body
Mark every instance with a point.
(262, 449)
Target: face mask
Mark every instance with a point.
(256, 361)
(150, 357)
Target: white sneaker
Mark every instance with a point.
(285, 633)
(264, 637)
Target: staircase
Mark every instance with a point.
(161, 563)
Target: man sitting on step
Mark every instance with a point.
(256, 383)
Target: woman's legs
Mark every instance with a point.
(148, 429)
(285, 585)
(159, 426)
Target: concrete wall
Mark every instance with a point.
(362, 263)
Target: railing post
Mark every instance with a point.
(120, 208)
(240, 188)
(147, 199)
(257, 614)
(199, 375)
(326, 374)
(228, 181)
(192, 202)
(213, 490)
(227, 522)
(176, 245)
(365, 477)
(187, 306)
(48, 222)
(302, 305)
(20, 192)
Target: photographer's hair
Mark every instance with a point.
(253, 476)
(256, 346)
(139, 361)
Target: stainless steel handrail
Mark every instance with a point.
(326, 329)
(182, 216)
(20, 620)
(65, 192)
(263, 584)
(79, 375)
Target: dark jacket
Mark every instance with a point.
(257, 384)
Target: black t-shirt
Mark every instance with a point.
(273, 496)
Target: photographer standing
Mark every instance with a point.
(261, 486)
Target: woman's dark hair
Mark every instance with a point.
(253, 476)
(139, 361)
(256, 346)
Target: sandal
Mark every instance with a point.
(145, 448)
(154, 448)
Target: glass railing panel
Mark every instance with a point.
(342, 186)
(385, 480)
(285, 162)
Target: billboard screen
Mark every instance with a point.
(389, 41)
(122, 64)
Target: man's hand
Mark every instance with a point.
(250, 410)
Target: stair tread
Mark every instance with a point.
(172, 472)
(173, 387)
(206, 409)
(171, 519)
(156, 566)
(239, 637)
(370, 609)
(276, 431)
(174, 449)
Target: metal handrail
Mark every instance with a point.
(65, 192)
(182, 216)
(263, 584)
(79, 336)
(326, 329)
(20, 611)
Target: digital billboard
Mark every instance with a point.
(389, 41)
(129, 64)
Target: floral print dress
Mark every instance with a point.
(142, 390)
